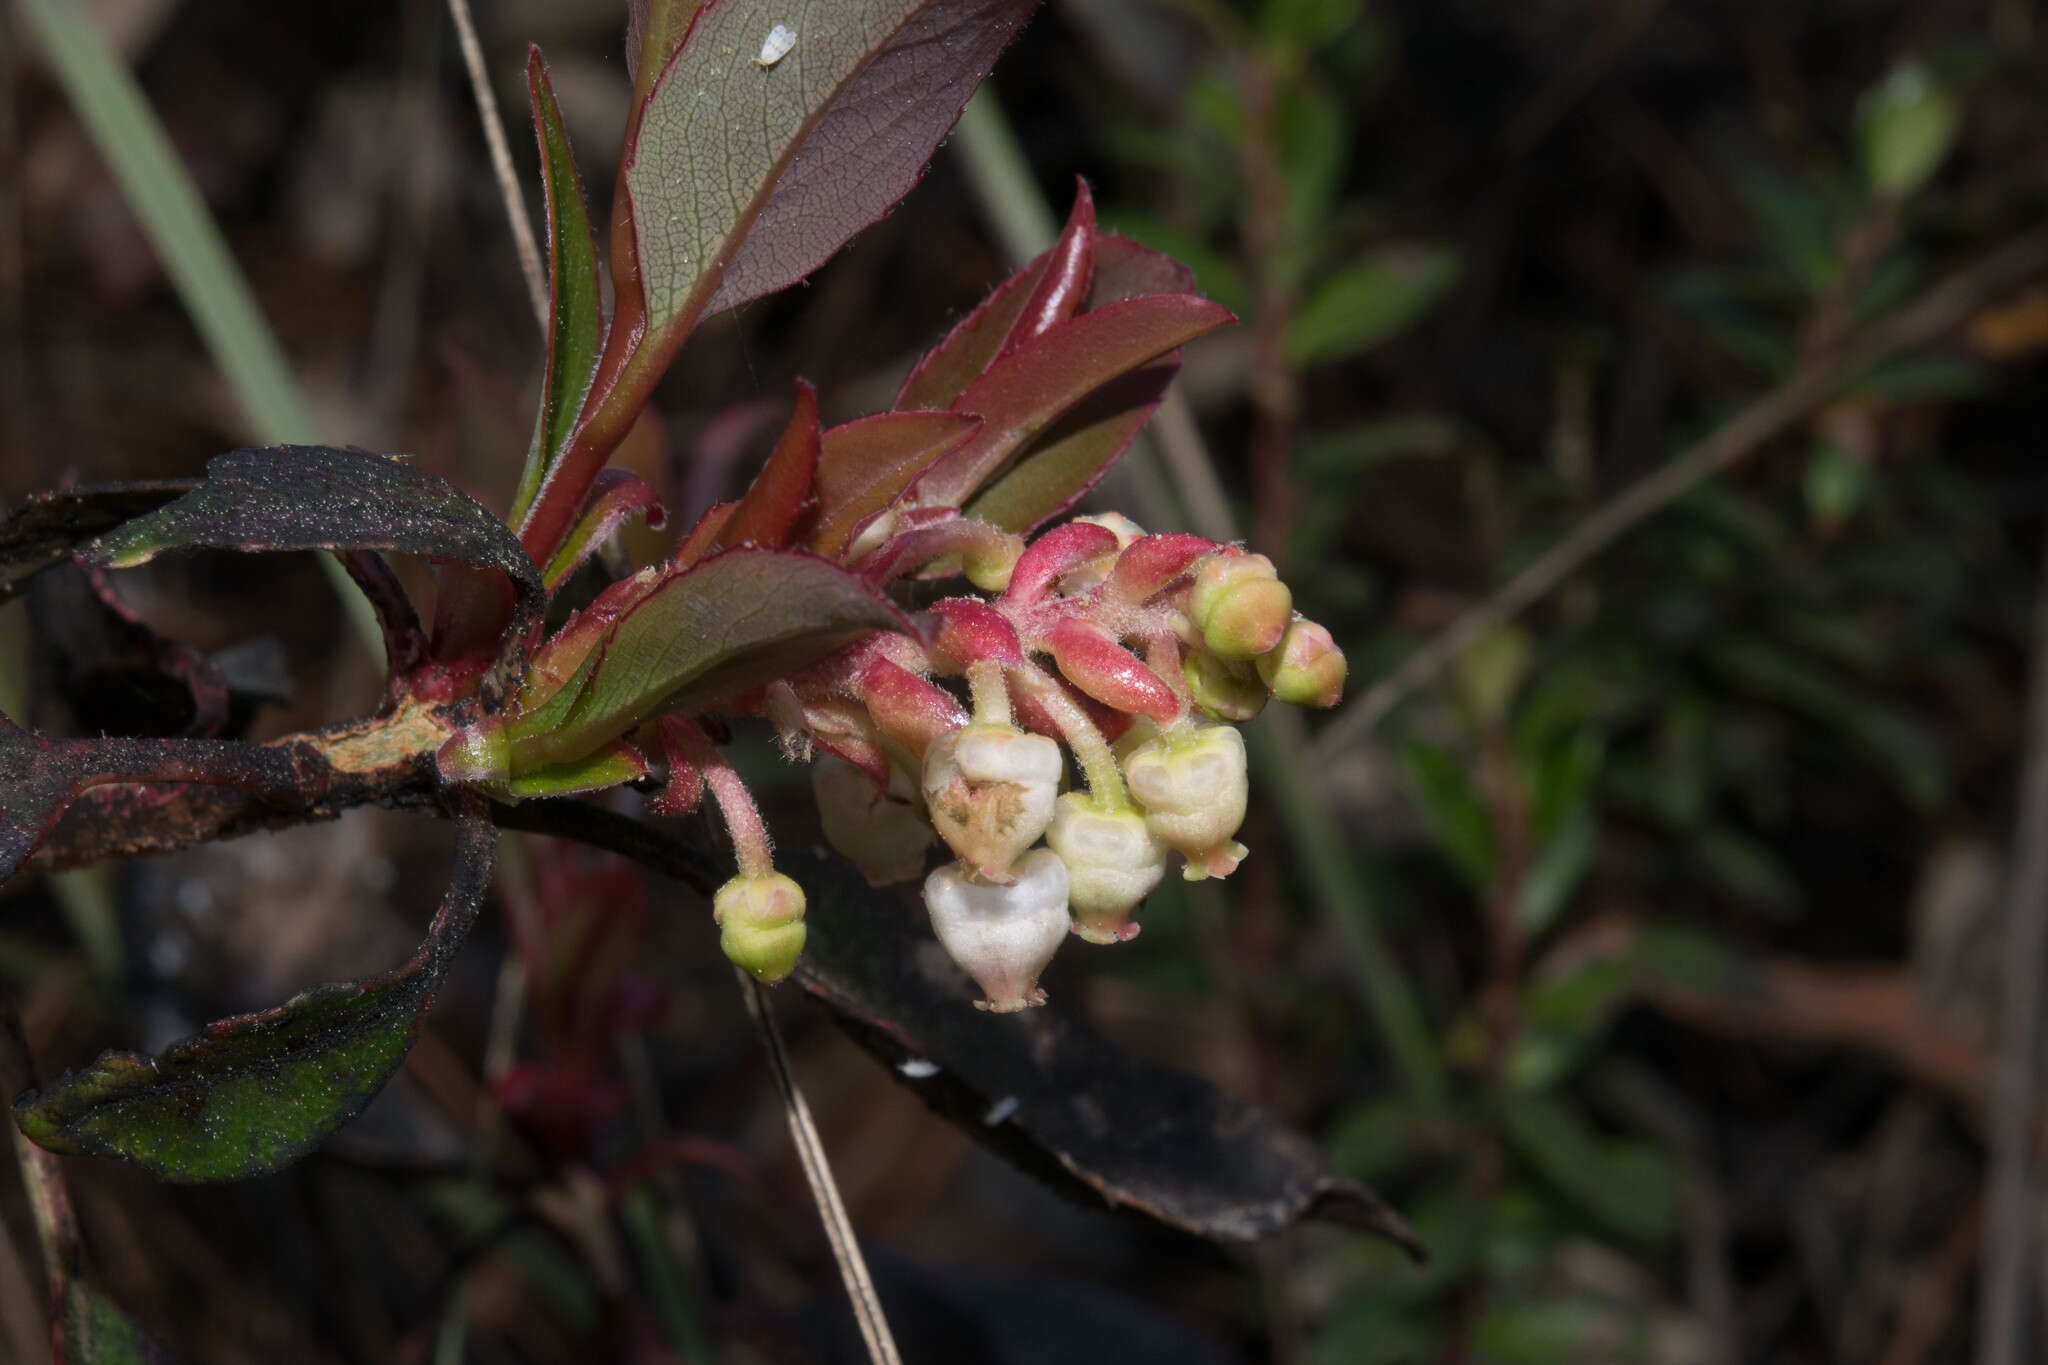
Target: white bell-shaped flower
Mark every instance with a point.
(881, 832)
(1113, 861)
(1002, 936)
(990, 790)
(1192, 784)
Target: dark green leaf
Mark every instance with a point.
(256, 1091)
(576, 302)
(319, 498)
(1370, 301)
(46, 528)
(1625, 1186)
(1454, 812)
(92, 1330)
(733, 622)
(39, 777)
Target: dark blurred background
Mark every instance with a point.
(1697, 874)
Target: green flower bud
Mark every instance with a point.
(1307, 669)
(761, 924)
(1240, 605)
(1227, 689)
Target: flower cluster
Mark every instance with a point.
(1156, 644)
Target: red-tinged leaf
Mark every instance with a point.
(45, 529)
(318, 498)
(704, 535)
(1067, 459)
(1054, 555)
(1150, 563)
(1126, 270)
(781, 492)
(970, 629)
(654, 30)
(739, 178)
(615, 499)
(40, 777)
(257, 1091)
(1048, 290)
(1026, 391)
(1092, 660)
(576, 302)
(1063, 285)
(866, 465)
(735, 621)
(746, 178)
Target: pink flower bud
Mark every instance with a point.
(1148, 565)
(761, 924)
(1307, 669)
(1192, 784)
(990, 789)
(1094, 571)
(1053, 555)
(971, 629)
(1113, 862)
(1227, 689)
(1093, 661)
(1002, 936)
(1240, 605)
(880, 832)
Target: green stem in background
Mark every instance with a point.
(130, 139)
(1018, 213)
(1275, 742)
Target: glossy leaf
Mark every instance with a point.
(783, 490)
(733, 622)
(1049, 290)
(576, 302)
(47, 527)
(865, 466)
(320, 498)
(743, 179)
(1055, 1099)
(1025, 392)
(1076, 451)
(257, 1091)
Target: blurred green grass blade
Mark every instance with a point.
(129, 138)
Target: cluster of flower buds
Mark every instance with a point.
(1156, 645)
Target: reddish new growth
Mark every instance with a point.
(1130, 652)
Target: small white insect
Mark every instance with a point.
(775, 46)
(918, 1068)
(1000, 1111)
